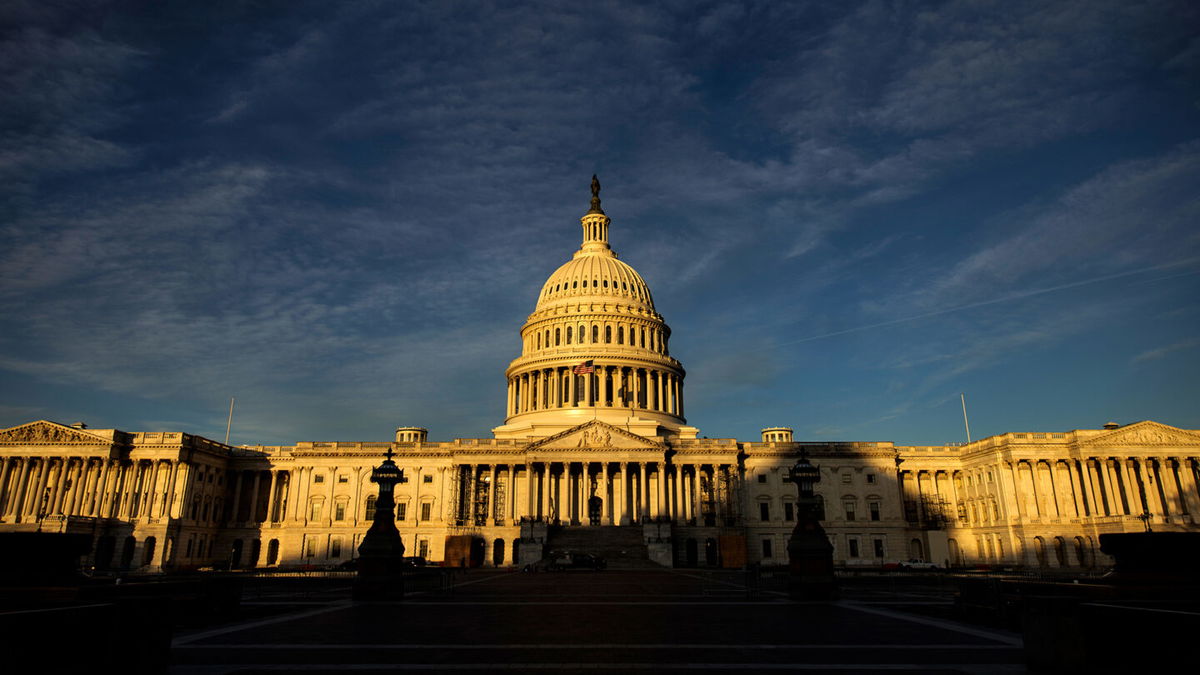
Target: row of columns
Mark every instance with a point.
(607, 386)
(90, 486)
(1107, 486)
(1027, 489)
(278, 484)
(629, 492)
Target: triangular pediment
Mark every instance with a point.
(1148, 433)
(45, 431)
(596, 435)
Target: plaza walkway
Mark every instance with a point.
(612, 620)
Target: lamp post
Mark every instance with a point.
(381, 554)
(810, 555)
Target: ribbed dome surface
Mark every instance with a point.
(596, 274)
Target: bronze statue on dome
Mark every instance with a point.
(596, 196)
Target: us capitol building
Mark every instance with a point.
(595, 454)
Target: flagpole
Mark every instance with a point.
(966, 424)
(229, 421)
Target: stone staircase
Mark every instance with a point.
(622, 547)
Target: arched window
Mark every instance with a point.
(568, 335)
(608, 334)
(557, 335)
(148, 551)
(582, 334)
(539, 341)
(595, 333)
(620, 335)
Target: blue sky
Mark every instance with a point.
(849, 213)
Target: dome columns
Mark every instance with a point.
(609, 386)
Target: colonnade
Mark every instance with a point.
(249, 505)
(608, 386)
(1163, 488)
(594, 493)
(98, 487)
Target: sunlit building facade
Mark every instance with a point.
(595, 451)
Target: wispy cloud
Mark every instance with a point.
(1156, 354)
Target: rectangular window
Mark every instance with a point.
(315, 514)
(766, 544)
(423, 548)
(427, 478)
(871, 478)
(401, 510)
(335, 547)
(853, 548)
(878, 548)
(849, 510)
(762, 477)
(343, 478)
(789, 511)
(874, 506)
(764, 512)
(339, 511)
(426, 509)
(310, 548)
(319, 478)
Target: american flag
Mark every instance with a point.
(584, 368)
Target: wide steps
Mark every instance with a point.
(621, 547)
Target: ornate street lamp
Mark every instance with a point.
(381, 554)
(810, 555)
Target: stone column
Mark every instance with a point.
(682, 498)
(1187, 483)
(664, 501)
(43, 478)
(530, 492)
(252, 517)
(1150, 488)
(545, 489)
(564, 494)
(19, 490)
(54, 507)
(1132, 494)
(490, 514)
(603, 478)
(643, 492)
(1100, 490)
(1169, 475)
(572, 399)
(273, 499)
(237, 498)
(78, 478)
(679, 395)
(1079, 475)
(1112, 493)
(9, 483)
(5, 492)
(95, 509)
(636, 376)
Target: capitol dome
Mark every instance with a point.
(594, 348)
